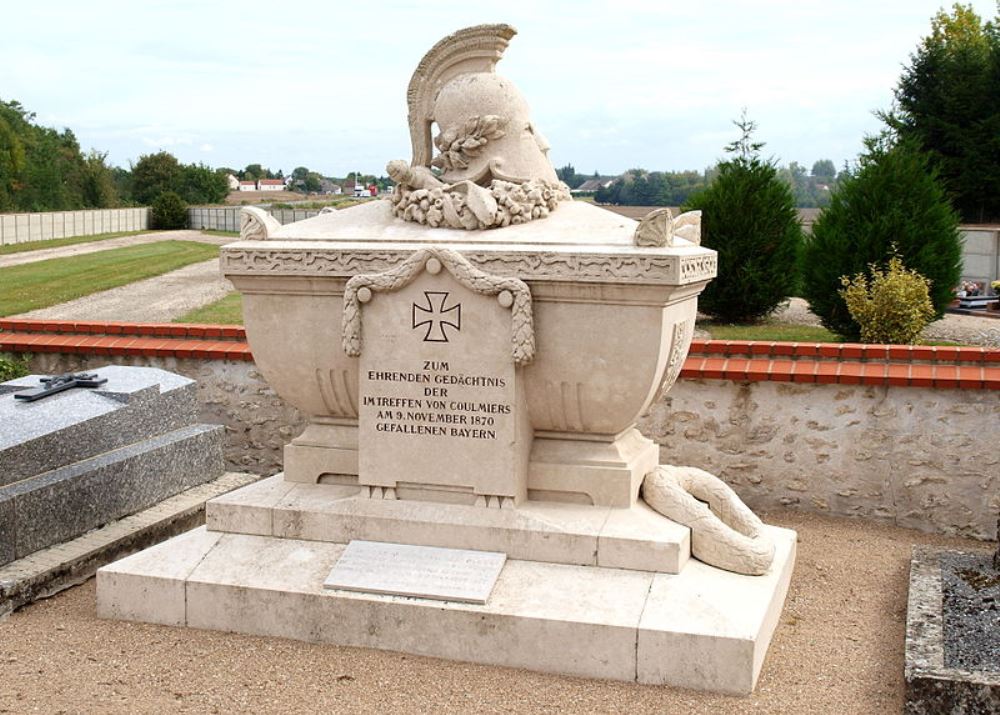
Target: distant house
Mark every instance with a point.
(271, 185)
(248, 186)
(234, 183)
(328, 187)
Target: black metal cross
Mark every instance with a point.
(58, 383)
(433, 316)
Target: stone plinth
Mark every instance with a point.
(704, 628)
(633, 538)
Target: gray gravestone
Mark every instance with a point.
(75, 460)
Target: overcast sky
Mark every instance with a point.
(613, 85)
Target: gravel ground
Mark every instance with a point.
(838, 649)
(965, 329)
(17, 259)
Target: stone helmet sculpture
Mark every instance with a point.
(492, 167)
(485, 129)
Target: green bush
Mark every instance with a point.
(892, 201)
(893, 307)
(749, 217)
(169, 211)
(12, 367)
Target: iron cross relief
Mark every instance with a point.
(436, 316)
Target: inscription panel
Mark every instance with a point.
(417, 571)
(437, 393)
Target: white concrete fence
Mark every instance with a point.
(44, 226)
(228, 218)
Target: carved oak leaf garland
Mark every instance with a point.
(458, 143)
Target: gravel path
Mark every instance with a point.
(154, 300)
(17, 259)
(965, 329)
(838, 649)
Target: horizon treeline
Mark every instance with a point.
(640, 187)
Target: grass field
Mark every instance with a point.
(774, 331)
(57, 242)
(57, 280)
(224, 234)
(225, 311)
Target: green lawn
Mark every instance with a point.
(216, 232)
(770, 331)
(57, 280)
(225, 311)
(56, 242)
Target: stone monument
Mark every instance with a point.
(473, 354)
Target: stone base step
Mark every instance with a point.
(51, 570)
(63, 503)
(704, 628)
(630, 538)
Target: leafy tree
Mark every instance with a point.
(749, 217)
(949, 104)
(893, 202)
(568, 175)
(313, 181)
(122, 180)
(153, 175)
(42, 169)
(253, 172)
(12, 162)
(98, 183)
(200, 184)
(169, 211)
(824, 169)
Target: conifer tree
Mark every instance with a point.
(893, 203)
(749, 217)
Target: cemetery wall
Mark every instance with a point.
(228, 218)
(915, 447)
(44, 226)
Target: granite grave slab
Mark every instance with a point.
(81, 458)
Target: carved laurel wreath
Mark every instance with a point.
(522, 331)
(460, 142)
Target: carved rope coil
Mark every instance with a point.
(522, 323)
(724, 533)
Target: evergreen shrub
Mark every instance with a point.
(893, 202)
(893, 307)
(169, 211)
(749, 217)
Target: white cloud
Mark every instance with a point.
(611, 84)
